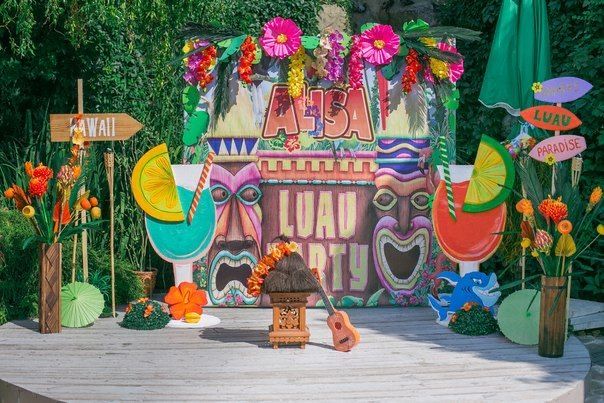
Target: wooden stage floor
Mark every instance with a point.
(404, 356)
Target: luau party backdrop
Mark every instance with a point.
(326, 140)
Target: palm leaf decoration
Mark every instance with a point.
(463, 34)
(417, 110)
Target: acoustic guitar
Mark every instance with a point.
(345, 335)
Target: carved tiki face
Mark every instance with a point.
(402, 236)
(236, 246)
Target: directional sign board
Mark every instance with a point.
(562, 89)
(562, 147)
(96, 126)
(551, 117)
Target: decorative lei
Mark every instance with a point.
(248, 54)
(411, 69)
(355, 65)
(208, 60)
(267, 264)
(295, 75)
(335, 63)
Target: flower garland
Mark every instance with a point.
(295, 75)
(411, 69)
(335, 63)
(207, 62)
(320, 53)
(355, 65)
(267, 264)
(248, 54)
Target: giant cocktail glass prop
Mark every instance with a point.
(182, 243)
(472, 238)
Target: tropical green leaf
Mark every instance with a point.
(196, 127)
(190, 98)
(310, 42)
(232, 48)
(374, 298)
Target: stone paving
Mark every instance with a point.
(594, 341)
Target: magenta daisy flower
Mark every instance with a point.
(455, 69)
(281, 37)
(379, 44)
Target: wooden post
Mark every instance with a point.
(83, 189)
(109, 164)
(50, 288)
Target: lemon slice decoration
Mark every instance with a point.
(492, 178)
(154, 188)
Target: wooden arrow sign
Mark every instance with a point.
(96, 126)
(550, 117)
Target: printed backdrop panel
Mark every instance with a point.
(340, 171)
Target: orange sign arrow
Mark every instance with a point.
(96, 126)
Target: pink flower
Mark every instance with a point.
(455, 69)
(355, 65)
(379, 44)
(281, 37)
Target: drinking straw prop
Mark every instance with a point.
(444, 156)
(202, 181)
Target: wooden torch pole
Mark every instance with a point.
(109, 164)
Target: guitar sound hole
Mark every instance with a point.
(338, 325)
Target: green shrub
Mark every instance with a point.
(473, 320)
(135, 316)
(18, 268)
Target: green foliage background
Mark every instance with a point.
(124, 51)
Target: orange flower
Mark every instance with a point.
(454, 318)
(525, 207)
(128, 308)
(553, 209)
(594, 198)
(65, 215)
(77, 171)
(9, 193)
(20, 198)
(42, 172)
(184, 299)
(37, 187)
(565, 227)
(142, 300)
(467, 306)
(148, 311)
(29, 169)
(527, 231)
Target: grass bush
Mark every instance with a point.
(18, 268)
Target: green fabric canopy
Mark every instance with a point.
(520, 56)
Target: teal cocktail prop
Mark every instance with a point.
(182, 243)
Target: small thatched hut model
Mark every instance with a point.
(283, 274)
(291, 275)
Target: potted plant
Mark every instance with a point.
(147, 275)
(556, 230)
(51, 205)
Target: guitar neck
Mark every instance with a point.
(328, 305)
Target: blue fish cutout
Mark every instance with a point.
(472, 287)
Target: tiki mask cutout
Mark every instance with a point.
(236, 246)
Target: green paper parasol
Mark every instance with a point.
(518, 317)
(81, 304)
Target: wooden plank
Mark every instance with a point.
(96, 126)
(404, 355)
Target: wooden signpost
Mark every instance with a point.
(557, 118)
(95, 127)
